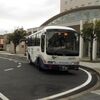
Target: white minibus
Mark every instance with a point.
(54, 48)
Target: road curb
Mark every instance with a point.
(96, 86)
(88, 68)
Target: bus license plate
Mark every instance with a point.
(64, 68)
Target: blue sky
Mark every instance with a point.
(26, 13)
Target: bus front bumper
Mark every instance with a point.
(61, 67)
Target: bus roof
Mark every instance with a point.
(58, 27)
(52, 27)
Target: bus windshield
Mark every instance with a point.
(62, 42)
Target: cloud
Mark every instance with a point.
(27, 13)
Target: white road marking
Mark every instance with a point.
(9, 69)
(96, 92)
(71, 90)
(9, 59)
(15, 61)
(19, 65)
(3, 97)
(6, 58)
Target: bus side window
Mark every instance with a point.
(42, 43)
(33, 41)
(37, 40)
(29, 41)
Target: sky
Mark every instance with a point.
(26, 13)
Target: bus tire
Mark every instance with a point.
(39, 64)
(29, 60)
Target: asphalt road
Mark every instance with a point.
(21, 81)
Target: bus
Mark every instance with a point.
(54, 48)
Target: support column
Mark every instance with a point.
(81, 41)
(94, 53)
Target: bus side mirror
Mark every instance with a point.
(42, 43)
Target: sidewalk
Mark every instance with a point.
(7, 53)
(95, 65)
(12, 56)
(91, 95)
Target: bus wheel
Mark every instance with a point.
(39, 64)
(29, 60)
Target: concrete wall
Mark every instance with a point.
(20, 49)
(72, 4)
(10, 47)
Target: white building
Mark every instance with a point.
(73, 4)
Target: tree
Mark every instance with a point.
(9, 38)
(97, 32)
(16, 36)
(97, 29)
(87, 34)
(91, 31)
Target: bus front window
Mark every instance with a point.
(62, 42)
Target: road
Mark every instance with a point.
(21, 81)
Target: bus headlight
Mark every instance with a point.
(51, 62)
(75, 63)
